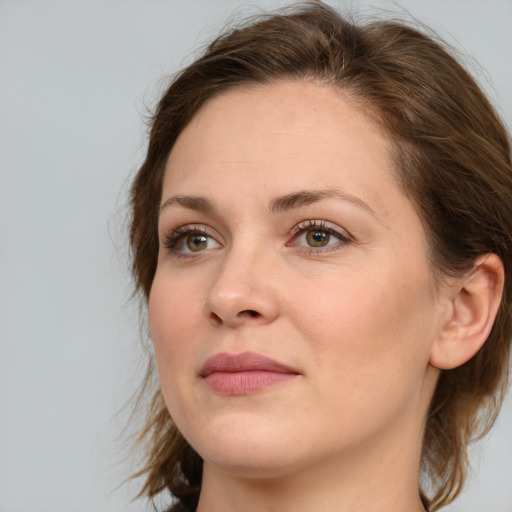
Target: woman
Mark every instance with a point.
(321, 231)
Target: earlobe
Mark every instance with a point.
(473, 310)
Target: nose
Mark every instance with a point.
(243, 291)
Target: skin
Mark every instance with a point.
(358, 318)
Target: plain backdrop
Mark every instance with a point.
(76, 81)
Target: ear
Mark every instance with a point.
(475, 301)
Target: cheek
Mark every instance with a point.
(174, 323)
(172, 310)
(373, 354)
(369, 324)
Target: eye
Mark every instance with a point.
(317, 235)
(190, 239)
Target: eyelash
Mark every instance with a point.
(173, 237)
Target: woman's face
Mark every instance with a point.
(293, 308)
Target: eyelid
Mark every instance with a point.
(321, 224)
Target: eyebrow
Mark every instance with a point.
(197, 203)
(306, 197)
(278, 204)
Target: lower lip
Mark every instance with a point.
(241, 383)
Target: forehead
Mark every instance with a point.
(288, 130)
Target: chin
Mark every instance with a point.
(245, 447)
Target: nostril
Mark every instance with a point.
(215, 318)
(249, 312)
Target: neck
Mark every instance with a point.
(371, 478)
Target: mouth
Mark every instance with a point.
(240, 374)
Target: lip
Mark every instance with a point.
(247, 372)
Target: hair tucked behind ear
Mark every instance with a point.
(452, 157)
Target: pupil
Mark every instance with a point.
(196, 242)
(318, 238)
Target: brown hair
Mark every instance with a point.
(452, 157)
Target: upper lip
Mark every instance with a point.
(242, 362)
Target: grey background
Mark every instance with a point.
(75, 80)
